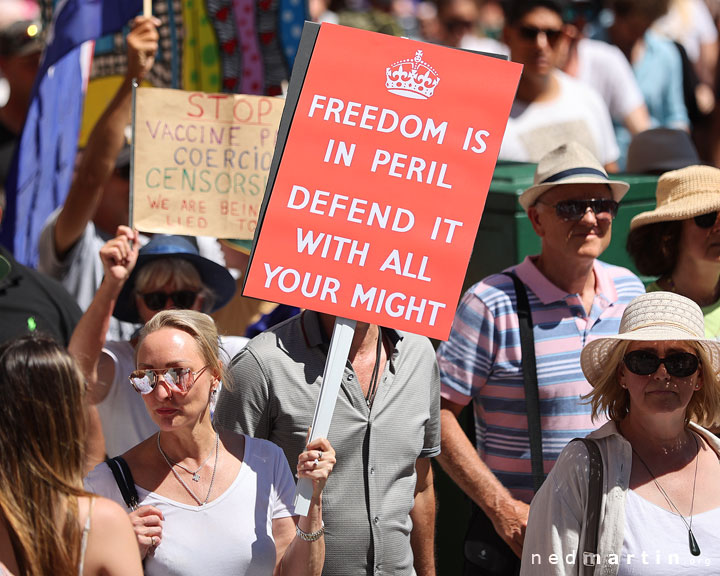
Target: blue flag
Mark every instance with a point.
(42, 169)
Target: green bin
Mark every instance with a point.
(505, 236)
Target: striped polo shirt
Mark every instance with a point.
(482, 362)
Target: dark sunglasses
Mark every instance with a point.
(530, 33)
(706, 221)
(575, 209)
(178, 379)
(181, 299)
(458, 24)
(644, 363)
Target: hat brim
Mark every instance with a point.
(596, 354)
(701, 203)
(531, 195)
(214, 276)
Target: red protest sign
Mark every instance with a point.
(383, 179)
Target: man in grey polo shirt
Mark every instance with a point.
(379, 504)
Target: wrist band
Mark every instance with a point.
(312, 536)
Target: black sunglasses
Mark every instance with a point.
(644, 363)
(574, 210)
(530, 33)
(706, 221)
(181, 299)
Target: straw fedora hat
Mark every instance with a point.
(569, 164)
(651, 317)
(683, 194)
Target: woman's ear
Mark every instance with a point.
(620, 374)
(699, 382)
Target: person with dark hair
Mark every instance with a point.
(679, 241)
(168, 272)
(48, 523)
(210, 502)
(32, 302)
(658, 382)
(551, 108)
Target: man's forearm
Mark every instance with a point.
(462, 463)
(422, 537)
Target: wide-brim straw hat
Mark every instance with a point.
(683, 194)
(569, 164)
(652, 317)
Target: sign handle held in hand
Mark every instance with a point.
(342, 336)
(147, 8)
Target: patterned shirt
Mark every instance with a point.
(482, 362)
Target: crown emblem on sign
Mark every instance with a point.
(412, 78)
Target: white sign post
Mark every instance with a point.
(342, 336)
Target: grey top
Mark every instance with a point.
(368, 498)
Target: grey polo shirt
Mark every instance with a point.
(368, 498)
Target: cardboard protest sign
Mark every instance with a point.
(381, 184)
(201, 161)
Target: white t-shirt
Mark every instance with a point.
(125, 420)
(604, 67)
(656, 543)
(229, 536)
(578, 114)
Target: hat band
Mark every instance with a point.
(666, 324)
(574, 172)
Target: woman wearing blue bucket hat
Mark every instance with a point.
(167, 273)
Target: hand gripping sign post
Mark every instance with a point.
(385, 154)
(201, 161)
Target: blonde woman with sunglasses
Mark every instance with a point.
(209, 502)
(167, 273)
(658, 382)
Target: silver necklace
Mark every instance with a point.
(195, 473)
(172, 465)
(694, 548)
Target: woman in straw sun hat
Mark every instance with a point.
(657, 381)
(679, 241)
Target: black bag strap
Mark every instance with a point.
(587, 555)
(529, 368)
(125, 481)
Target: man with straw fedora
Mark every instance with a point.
(679, 241)
(573, 298)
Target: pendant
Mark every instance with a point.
(694, 548)
(196, 478)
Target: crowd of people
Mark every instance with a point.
(143, 431)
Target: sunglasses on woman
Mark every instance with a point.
(575, 210)
(183, 299)
(706, 221)
(178, 379)
(644, 363)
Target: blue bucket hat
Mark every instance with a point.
(215, 277)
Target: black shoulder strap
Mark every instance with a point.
(124, 480)
(587, 555)
(529, 367)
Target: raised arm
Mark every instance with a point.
(118, 256)
(105, 141)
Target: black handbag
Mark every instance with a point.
(124, 479)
